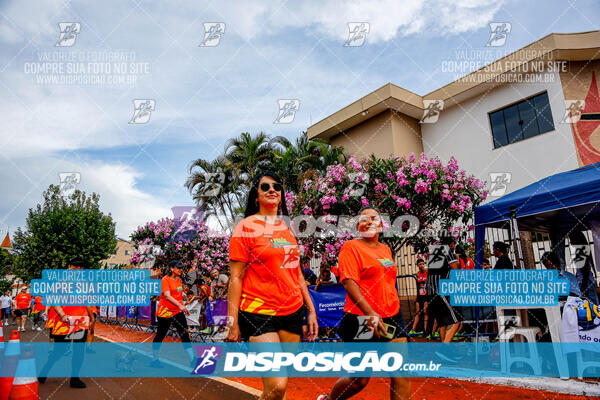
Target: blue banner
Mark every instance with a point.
(216, 312)
(130, 312)
(329, 302)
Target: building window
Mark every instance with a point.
(127, 252)
(525, 119)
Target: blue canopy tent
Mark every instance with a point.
(559, 203)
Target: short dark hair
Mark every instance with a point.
(77, 263)
(420, 260)
(503, 247)
(486, 261)
(447, 240)
(551, 257)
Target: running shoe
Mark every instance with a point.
(445, 357)
(38, 329)
(77, 383)
(322, 397)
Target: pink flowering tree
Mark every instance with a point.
(439, 198)
(190, 242)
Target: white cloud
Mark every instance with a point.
(387, 18)
(116, 183)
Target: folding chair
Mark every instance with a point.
(216, 316)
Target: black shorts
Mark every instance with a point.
(257, 324)
(422, 300)
(20, 312)
(350, 326)
(443, 312)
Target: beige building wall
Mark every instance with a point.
(386, 134)
(407, 135)
(122, 255)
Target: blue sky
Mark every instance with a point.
(206, 95)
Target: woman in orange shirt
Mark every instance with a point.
(38, 311)
(368, 273)
(268, 296)
(170, 310)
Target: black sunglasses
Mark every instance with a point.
(266, 186)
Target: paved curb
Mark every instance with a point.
(236, 386)
(556, 385)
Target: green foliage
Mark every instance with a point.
(6, 268)
(220, 186)
(61, 230)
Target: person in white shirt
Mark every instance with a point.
(5, 301)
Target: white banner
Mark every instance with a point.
(112, 311)
(194, 308)
(580, 321)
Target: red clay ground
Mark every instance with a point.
(378, 388)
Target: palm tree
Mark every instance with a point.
(215, 189)
(293, 161)
(220, 186)
(248, 154)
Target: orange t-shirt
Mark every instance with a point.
(23, 301)
(51, 318)
(60, 328)
(165, 308)
(37, 305)
(270, 285)
(375, 271)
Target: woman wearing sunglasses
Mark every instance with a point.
(368, 273)
(268, 297)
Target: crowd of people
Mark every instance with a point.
(268, 299)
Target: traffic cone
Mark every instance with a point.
(1, 339)
(9, 367)
(25, 385)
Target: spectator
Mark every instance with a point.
(551, 261)
(466, 262)
(500, 250)
(309, 276)
(324, 277)
(422, 298)
(486, 264)
(218, 284)
(5, 302)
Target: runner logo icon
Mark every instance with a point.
(207, 359)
